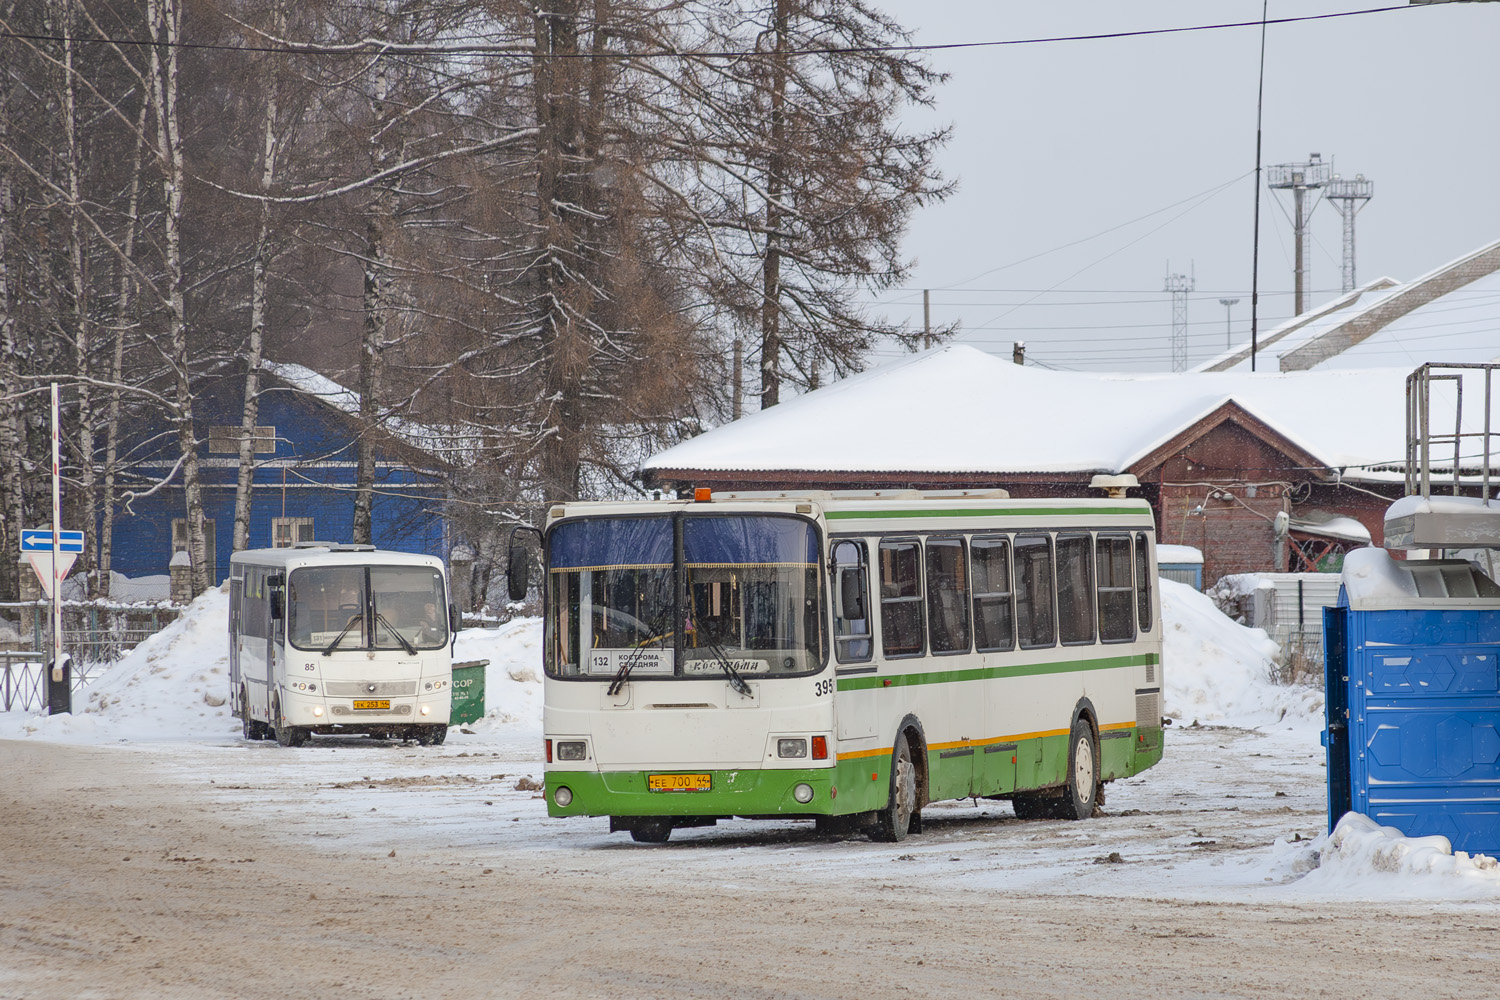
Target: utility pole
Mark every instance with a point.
(1179, 285)
(1018, 352)
(1228, 305)
(1300, 178)
(736, 406)
(926, 319)
(1348, 197)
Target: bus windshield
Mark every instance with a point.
(401, 607)
(726, 590)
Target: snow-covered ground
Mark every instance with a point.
(1235, 810)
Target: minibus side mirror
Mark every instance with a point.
(518, 573)
(454, 621)
(278, 609)
(852, 594)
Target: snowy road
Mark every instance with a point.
(220, 868)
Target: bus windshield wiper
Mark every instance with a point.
(328, 651)
(623, 674)
(405, 643)
(730, 670)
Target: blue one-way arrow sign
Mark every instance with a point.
(40, 540)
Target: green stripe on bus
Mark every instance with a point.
(990, 673)
(838, 515)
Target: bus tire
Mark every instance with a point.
(893, 823)
(287, 736)
(250, 728)
(1029, 805)
(431, 736)
(1081, 792)
(651, 831)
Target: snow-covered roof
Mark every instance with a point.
(1450, 314)
(956, 409)
(1324, 525)
(1179, 555)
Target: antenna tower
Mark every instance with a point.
(1179, 285)
(1348, 198)
(1300, 178)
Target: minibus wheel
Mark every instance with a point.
(431, 736)
(651, 831)
(1083, 772)
(287, 736)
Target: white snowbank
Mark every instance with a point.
(1362, 855)
(513, 680)
(1217, 671)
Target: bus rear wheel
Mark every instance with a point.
(651, 831)
(894, 822)
(1083, 773)
(250, 728)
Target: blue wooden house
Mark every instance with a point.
(303, 489)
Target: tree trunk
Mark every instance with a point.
(245, 483)
(123, 300)
(377, 308)
(166, 25)
(770, 316)
(12, 444)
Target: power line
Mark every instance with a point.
(378, 47)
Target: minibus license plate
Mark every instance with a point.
(679, 782)
(383, 705)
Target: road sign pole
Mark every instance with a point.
(57, 664)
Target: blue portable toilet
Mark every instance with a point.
(1412, 684)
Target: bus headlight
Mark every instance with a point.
(791, 748)
(318, 711)
(803, 793)
(563, 796)
(426, 709)
(572, 750)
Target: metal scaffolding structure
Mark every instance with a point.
(1300, 178)
(1348, 197)
(1179, 285)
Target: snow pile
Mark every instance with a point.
(513, 680)
(1218, 671)
(1361, 854)
(173, 685)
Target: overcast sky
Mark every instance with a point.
(1056, 143)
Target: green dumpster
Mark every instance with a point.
(468, 692)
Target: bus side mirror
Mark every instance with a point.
(278, 609)
(518, 573)
(852, 594)
(454, 621)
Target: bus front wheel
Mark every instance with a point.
(431, 736)
(287, 735)
(651, 831)
(894, 822)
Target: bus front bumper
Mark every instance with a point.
(733, 792)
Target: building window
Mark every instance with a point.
(210, 544)
(288, 531)
(225, 440)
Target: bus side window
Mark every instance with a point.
(994, 620)
(901, 598)
(851, 636)
(1116, 622)
(947, 595)
(1075, 589)
(1143, 582)
(1034, 621)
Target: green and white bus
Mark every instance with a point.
(845, 657)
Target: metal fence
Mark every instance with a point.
(93, 632)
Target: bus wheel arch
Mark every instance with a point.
(286, 735)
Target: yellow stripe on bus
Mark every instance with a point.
(958, 744)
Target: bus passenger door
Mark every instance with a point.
(236, 594)
(856, 705)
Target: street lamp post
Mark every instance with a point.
(1228, 305)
